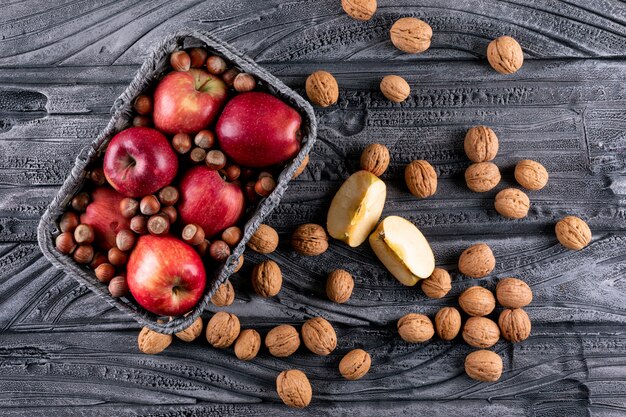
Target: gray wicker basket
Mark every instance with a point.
(149, 73)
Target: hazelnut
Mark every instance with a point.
(159, 224)
(149, 205)
(355, 364)
(168, 196)
(231, 172)
(322, 88)
(225, 295)
(481, 144)
(309, 240)
(482, 176)
(97, 176)
(65, 243)
(448, 323)
(197, 57)
(251, 195)
(192, 332)
(339, 286)
(483, 365)
(294, 388)
(232, 236)
(481, 332)
(84, 234)
(129, 207)
(267, 278)
(222, 330)
(143, 104)
(301, 168)
(477, 261)
(117, 257)
(411, 35)
(219, 251)
(204, 139)
(203, 248)
(125, 240)
(151, 342)
(514, 324)
(105, 272)
(139, 225)
(531, 175)
(80, 202)
(69, 221)
(264, 186)
(375, 159)
(180, 61)
(170, 212)
(421, 178)
(512, 203)
(513, 293)
(247, 345)
(216, 64)
(118, 287)
(415, 328)
(244, 82)
(438, 284)
(98, 259)
(505, 55)
(181, 142)
(573, 233)
(215, 159)
(83, 254)
(395, 88)
(319, 336)
(193, 234)
(197, 155)
(142, 121)
(477, 301)
(359, 9)
(282, 341)
(229, 76)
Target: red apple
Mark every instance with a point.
(258, 130)
(209, 201)
(139, 161)
(165, 275)
(188, 101)
(103, 214)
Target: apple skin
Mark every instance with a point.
(188, 101)
(139, 161)
(258, 130)
(209, 201)
(103, 214)
(165, 275)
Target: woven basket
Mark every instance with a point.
(149, 74)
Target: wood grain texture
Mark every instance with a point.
(63, 351)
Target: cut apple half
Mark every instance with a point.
(356, 208)
(403, 249)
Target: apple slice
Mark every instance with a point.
(356, 208)
(403, 249)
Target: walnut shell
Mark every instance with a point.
(192, 332)
(264, 240)
(505, 55)
(322, 89)
(514, 324)
(481, 332)
(359, 9)
(375, 159)
(482, 176)
(355, 364)
(224, 296)
(513, 293)
(248, 344)
(301, 167)
(339, 286)
(531, 174)
(319, 336)
(411, 35)
(222, 330)
(294, 388)
(152, 342)
(267, 278)
(477, 301)
(483, 365)
(415, 328)
(438, 284)
(481, 144)
(512, 203)
(282, 341)
(395, 88)
(477, 261)
(573, 233)
(310, 239)
(448, 323)
(421, 178)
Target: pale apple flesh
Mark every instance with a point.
(356, 208)
(403, 249)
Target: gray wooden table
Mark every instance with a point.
(63, 351)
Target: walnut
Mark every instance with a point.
(247, 344)
(319, 336)
(267, 278)
(512, 203)
(301, 167)
(359, 9)
(310, 239)
(483, 365)
(282, 341)
(505, 55)
(355, 364)
(531, 175)
(421, 178)
(224, 296)
(438, 284)
(481, 332)
(411, 35)
(395, 88)
(339, 286)
(192, 332)
(481, 144)
(513, 293)
(477, 301)
(573, 233)
(514, 324)
(294, 388)
(482, 176)
(448, 323)
(222, 330)
(477, 261)
(375, 159)
(322, 89)
(264, 240)
(152, 342)
(415, 328)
